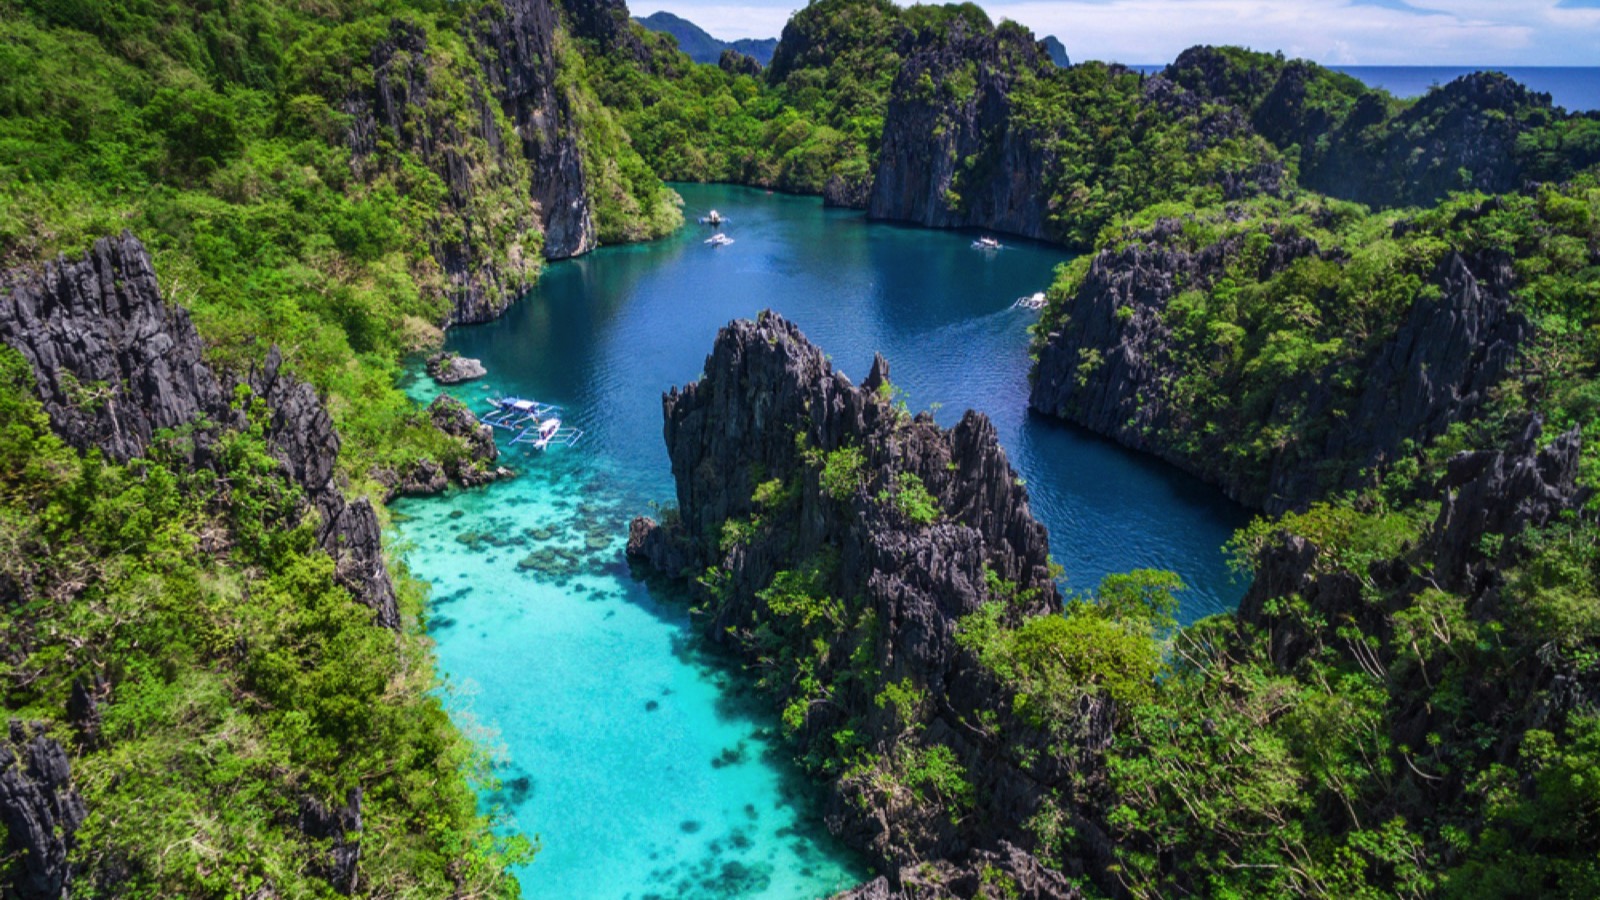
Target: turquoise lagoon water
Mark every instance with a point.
(635, 757)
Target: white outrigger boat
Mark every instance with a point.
(536, 424)
(548, 432)
(515, 413)
(986, 243)
(719, 240)
(1032, 301)
(715, 218)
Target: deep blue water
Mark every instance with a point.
(1577, 88)
(645, 772)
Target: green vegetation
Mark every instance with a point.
(1285, 752)
(627, 199)
(1102, 645)
(1487, 133)
(1251, 341)
(215, 139)
(910, 496)
(817, 112)
(243, 680)
(840, 474)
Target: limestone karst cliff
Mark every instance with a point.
(114, 365)
(1110, 362)
(828, 526)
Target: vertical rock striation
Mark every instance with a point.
(113, 364)
(962, 161)
(486, 238)
(498, 130)
(41, 812)
(516, 46)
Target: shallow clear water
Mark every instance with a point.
(646, 773)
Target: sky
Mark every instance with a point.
(1331, 32)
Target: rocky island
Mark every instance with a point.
(226, 237)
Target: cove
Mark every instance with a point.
(637, 759)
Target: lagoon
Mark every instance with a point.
(635, 756)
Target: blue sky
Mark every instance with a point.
(1335, 32)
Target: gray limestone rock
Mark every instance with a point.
(768, 410)
(41, 812)
(448, 368)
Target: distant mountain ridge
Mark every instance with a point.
(702, 47)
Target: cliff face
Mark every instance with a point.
(499, 134)
(113, 365)
(792, 487)
(517, 52)
(40, 810)
(1111, 367)
(486, 185)
(950, 159)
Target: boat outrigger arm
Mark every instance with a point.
(515, 413)
(546, 433)
(535, 423)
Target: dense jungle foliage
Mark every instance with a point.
(218, 134)
(244, 678)
(213, 133)
(1254, 344)
(1242, 774)
(816, 112)
(216, 131)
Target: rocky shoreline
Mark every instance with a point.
(814, 516)
(1436, 368)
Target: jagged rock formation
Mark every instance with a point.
(922, 174)
(1501, 492)
(1463, 136)
(302, 437)
(113, 365)
(449, 368)
(487, 182)
(760, 443)
(500, 132)
(1434, 370)
(342, 826)
(473, 466)
(1497, 493)
(41, 812)
(516, 47)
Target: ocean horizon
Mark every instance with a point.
(1576, 88)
